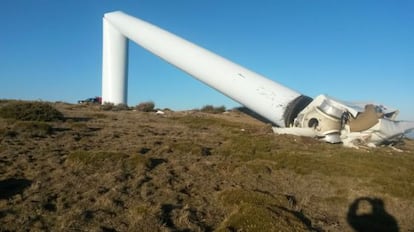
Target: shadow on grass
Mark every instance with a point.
(253, 114)
(368, 214)
(77, 119)
(10, 187)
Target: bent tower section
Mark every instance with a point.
(114, 65)
(269, 99)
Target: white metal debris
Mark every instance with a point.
(336, 121)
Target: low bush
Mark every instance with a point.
(145, 107)
(213, 109)
(30, 111)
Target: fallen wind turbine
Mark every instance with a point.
(291, 112)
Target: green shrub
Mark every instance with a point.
(30, 111)
(212, 109)
(145, 107)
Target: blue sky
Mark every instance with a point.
(354, 50)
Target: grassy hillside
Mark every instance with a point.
(100, 170)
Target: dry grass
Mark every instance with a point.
(260, 211)
(104, 170)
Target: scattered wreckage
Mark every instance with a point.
(336, 121)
